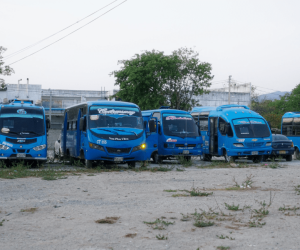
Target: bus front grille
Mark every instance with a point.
(21, 141)
(254, 144)
(118, 151)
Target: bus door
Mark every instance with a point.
(151, 135)
(213, 140)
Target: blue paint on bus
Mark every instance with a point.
(176, 134)
(23, 131)
(104, 131)
(233, 131)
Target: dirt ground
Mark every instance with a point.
(61, 214)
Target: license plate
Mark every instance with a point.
(186, 152)
(282, 152)
(118, 159)
(255, 153)
(21, 155)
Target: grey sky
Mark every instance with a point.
(255, 41)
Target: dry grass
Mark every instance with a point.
(29, 210)
(108, 220)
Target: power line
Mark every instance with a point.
(30, 46)
(68, 34)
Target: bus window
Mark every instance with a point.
(74, 125)
(296, 127)
(203, 124)
(251, 127)
(287, 126)
(222, 126)
(157, 115)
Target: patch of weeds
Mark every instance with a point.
(78, 163)
(233, 188)
(256, 224)
(185, 162)
(274, 165)
(262, 211)
(202, 219)
(159, 224)
(293, 209)
(130, 235)
(185, 217)
(161, 237)
(29, 210)
(225, 237)
(297, 189)
(197, 192)
(108, 220)
(247, 183)
(170, 190)
(180, 195)
(91, 175)
(1, 223)
(232, 207)
(223, 248)
(180, 169)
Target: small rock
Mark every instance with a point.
(55, 206)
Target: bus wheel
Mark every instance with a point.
(88, 163)
(156, 158)
(207, 157)
(297, 154)
(187, 158)
(131, 164)
(257, 159)
(289, 158)
(229, 158)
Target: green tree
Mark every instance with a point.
(4, 69)
(153, 79)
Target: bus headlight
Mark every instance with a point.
(38, 148)
(269, 144)
(96, 146)
(140, 147)
(3, 147)
(239, 145)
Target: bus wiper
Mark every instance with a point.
(32, 132)
(12, 132)
(108, 130)
(126, 131)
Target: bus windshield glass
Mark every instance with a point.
(181, 125)
(115, 117)
(22, 122)
(251, 128)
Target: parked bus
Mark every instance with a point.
(23, 134)
(290, 127)
(175, 134)
(104, 131)
(235, 131)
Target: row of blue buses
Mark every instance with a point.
(120, 132)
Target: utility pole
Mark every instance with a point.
(229, 89)
(50, 105)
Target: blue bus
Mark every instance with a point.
(23, 134)
(174, 134)
(290, 127)
(104, 131)
(234, 131)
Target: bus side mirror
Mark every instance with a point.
(48, 125)
(82, 124)
(152, 126)
(269, 125)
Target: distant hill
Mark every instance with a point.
(272, 96)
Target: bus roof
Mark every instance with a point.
(104, 102)
(291, 114)
(174, 111)
(203, 108)
(19, 104)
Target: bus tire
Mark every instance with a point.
(297, 154)
(157, 158)
(131, 164)
(289, 158)
(229, 158)
(257, 159)
(207, 157)
(88, 163)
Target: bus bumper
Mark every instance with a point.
(97, 155)
(180, 152)
(247, 151)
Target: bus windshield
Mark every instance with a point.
(115, 117)
(181, 125)
(22, 122)
(251, 128)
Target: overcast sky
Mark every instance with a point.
(255, 41)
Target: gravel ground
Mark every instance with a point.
(66, 210)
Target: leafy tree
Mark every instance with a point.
(153, 79)
(4, 70)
